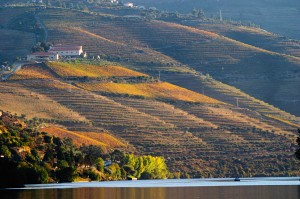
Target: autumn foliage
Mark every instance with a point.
(150, 90)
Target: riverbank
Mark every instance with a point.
(207, 182)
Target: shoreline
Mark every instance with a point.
(169, 183)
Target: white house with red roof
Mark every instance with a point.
(43, 56)
(58, 51)
(66, 50)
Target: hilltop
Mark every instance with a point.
(168, 88)
(279, 16)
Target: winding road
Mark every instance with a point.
(16, 66)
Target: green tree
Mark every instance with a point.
(4, 150)
(66, 174)
(92, 173)
(117, 156)
(32, 174)
(147, 176)
(114, 171)
(91, 153)
(100, 164)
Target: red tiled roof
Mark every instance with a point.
(65, 48)
(43, 53)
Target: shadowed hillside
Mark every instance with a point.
(279, 16)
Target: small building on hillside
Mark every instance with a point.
(114, 1)
(130, 5)
(57, 52)
(43, 56)
(66, 50)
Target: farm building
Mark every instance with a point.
(130, 5)
(42, 56)
(66, 50)
(57, 52)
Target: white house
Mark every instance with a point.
(66, 50)
(42, 56)
(130, 5)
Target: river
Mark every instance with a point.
(247, 188)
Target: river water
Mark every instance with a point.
(247, 188)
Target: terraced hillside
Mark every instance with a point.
(201, 126)
(196, 138)
(158, 90)
(102, 139)
(279, 16)
(232, 62)
(153, 46)
(91, 71)
(14, 43)
(255, 37)
(218, 90)
(34, 71)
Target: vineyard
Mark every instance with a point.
(85, 70)
(102, 139)
(159, 90)
(165, 89)
(37, 71)
(193, 137)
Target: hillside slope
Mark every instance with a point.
(279, 16)
(153, 46)
(203, 127)
(187, 134)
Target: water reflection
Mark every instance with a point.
(242, 192)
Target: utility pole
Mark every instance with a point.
(237, 102)
(70, 86)
(159, 76)
(221, 17)
(203, 90)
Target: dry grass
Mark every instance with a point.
(93, 35)
(190, 29)
(81, 70)
(88, 138)
(150, 90)
(15, 99)
(283, 121)
(32, 72)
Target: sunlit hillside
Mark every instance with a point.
(151, 46)
(159, 90)
(85, 70)
(159, 118)
(102, 139)
(33, 71)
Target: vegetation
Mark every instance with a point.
(17, 99)
(103, 139)
(158, 90)
(64, 69)
(41, 47)
(33, 72)
(29, 156)
(144, 112)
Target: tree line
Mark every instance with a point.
(30, 157)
